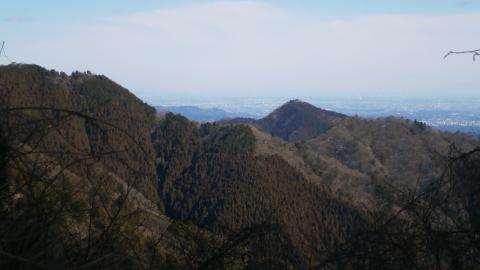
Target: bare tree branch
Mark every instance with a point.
(474, 53)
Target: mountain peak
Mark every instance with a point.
(299, 120)
(298, 103)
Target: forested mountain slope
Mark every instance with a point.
(364, 159)
(211, 176)
(116, 121)
(77, 173)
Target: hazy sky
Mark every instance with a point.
(253, 48)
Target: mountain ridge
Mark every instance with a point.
(199, 114)
(295, 120)
(312, 175)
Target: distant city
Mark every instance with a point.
(452, 114)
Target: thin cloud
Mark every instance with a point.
(251, 48)
(17, 19)
(463, 4)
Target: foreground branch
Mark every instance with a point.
(475, 53)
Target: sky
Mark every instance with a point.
(254, 48)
